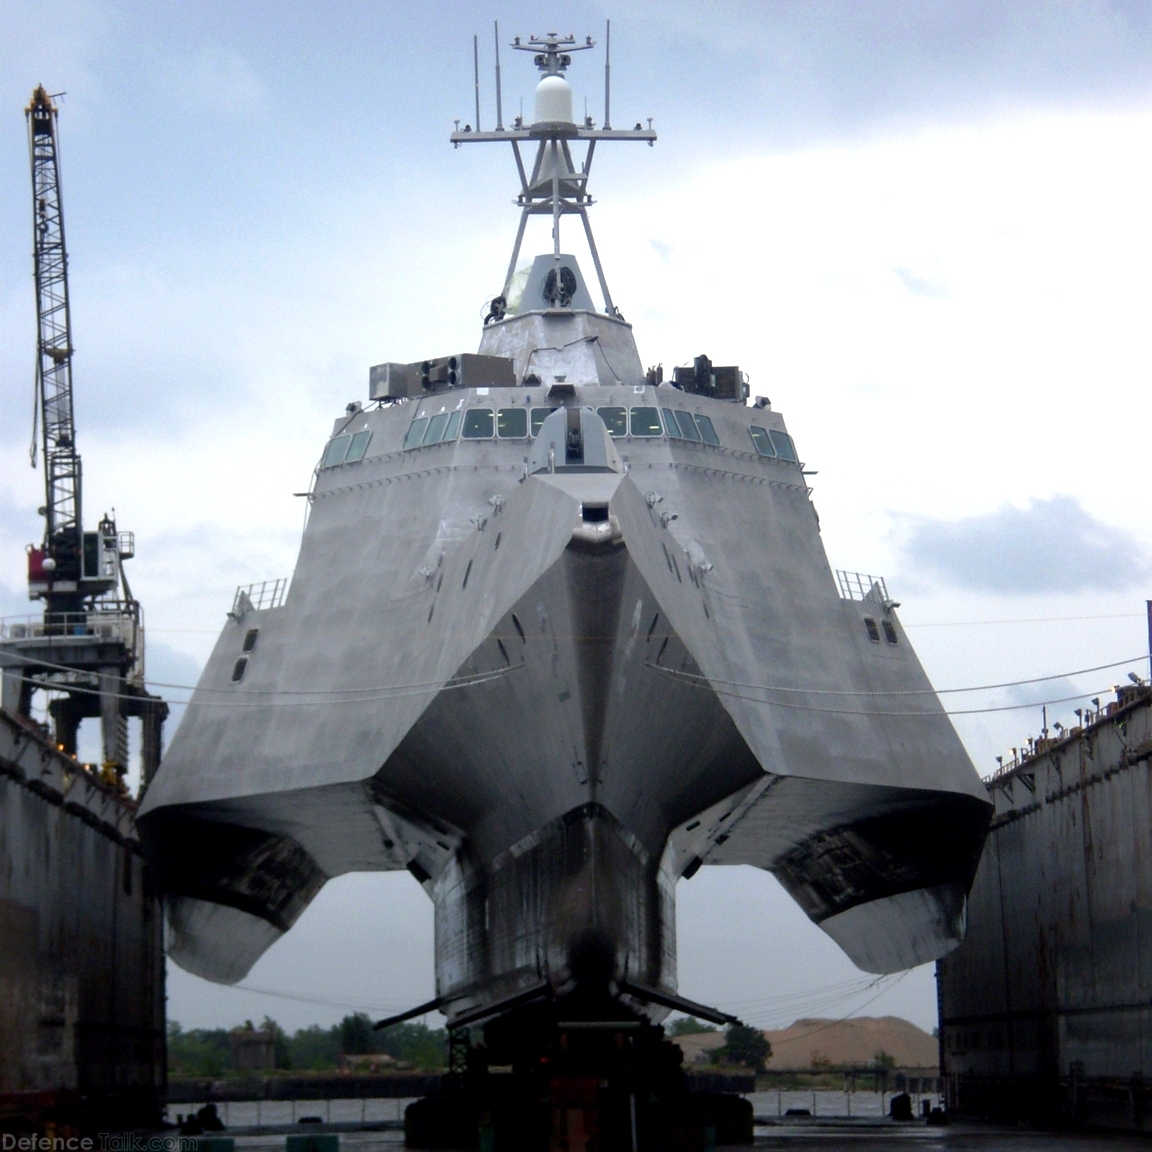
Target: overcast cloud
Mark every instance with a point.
(824, 67)
(1050, 546)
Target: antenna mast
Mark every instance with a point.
(499, 94)
(607, 73)
(476, 76)
(555, 187)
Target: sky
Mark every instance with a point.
(921, 229)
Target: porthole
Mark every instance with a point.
(238, 669)
(872, 630)
(889, 631)
(250, 640)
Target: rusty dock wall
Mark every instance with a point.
(81, 948)
(1046, 1009)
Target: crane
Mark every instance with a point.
(72, 567)
(88, 651)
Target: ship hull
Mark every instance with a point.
(550, 693)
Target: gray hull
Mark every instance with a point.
(550, 686)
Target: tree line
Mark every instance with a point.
(208, 1051)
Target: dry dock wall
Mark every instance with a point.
(1046, 1009)
(81, 948)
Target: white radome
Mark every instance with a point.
(553, 101)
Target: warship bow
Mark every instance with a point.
(561, 632)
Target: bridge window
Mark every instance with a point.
(782, 442)
(337, 448)
(416, 430)
(539, 415)
(762, 440)
(479, 424)
(673, 427)
(453, 426)
(615, 420)
(436, 426)
(889, 631)
(358, 447)
(512, 422)
(871, 629)
(646, 422)
(707, 431)
(688, 427)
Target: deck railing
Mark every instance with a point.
(861, 586)
(265, 594)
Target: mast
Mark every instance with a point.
(556, 187)
(62, 511)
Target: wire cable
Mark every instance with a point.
(323, 1001)
(397, 692)
(892, 980)
(882, 712)
(897, 691)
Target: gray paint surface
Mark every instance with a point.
(552, 684)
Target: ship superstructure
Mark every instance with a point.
(561, 632)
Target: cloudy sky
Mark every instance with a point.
(922, 229)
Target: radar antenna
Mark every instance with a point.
(555, 186)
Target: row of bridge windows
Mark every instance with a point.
(644, 422)
(522, 423)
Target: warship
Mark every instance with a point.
(561, 632)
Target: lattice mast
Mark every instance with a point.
(62, 508)
(555, 185)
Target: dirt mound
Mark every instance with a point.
(852, 1042)
(840, 1043)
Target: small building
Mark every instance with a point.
(253, 1049)
(1046, 1008)
(370, 1063)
